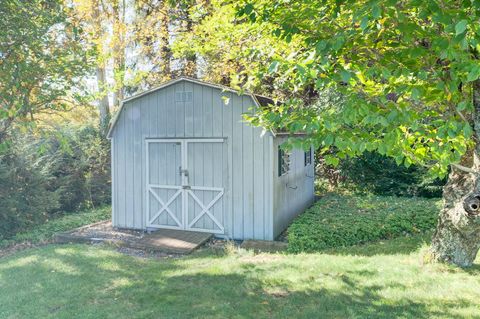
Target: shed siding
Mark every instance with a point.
(246, 206)
(294, 191)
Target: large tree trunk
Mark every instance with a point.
(457, 237)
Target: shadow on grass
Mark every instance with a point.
(85, 282)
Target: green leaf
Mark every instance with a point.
(330, 160)
(474, 74)
(376, 12)
(364, 23)
(467, 130)
(329, 139)
(248, 8)
(462, 105)
(273, 67)
(460, 27)
(345, 75)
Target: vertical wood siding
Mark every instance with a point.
(245, 169)
(292, 192)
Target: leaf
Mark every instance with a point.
(248, 8)
(376, 12)
(474, 74)
(330, 160)
(467, 130)
(329, 140)
(364, 23)
(462, 106)
(460, 27)
(273, 67)
(345, 75)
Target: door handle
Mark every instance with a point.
(182, 171)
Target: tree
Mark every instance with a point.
(230, 50)
(42, 59)
(152, 33)
(409, 71)
(106, 31)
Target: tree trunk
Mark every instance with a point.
(165, 51)
(119, 30)
(191, 60)
(103, 104)
(457, 237)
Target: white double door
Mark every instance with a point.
(185, 184)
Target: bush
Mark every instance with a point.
(346, 220)
(377, 174)
(43, 176)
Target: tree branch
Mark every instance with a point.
(465, 169)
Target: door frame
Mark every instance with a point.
(184, 187)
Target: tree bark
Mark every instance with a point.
(103, 103)
(165, 51)
(190, 68)
(457, 237)
(119, 31)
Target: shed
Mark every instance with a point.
(183, 158)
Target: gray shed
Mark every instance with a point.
(183, 158)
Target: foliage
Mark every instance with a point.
(407, 70)
(45, 232)
(24, 190)
(376, 174)
(79, 162)
(43, 176)
(41, 59)
(104, 283)
(345, 220)
(231, 51)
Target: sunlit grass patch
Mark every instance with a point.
(368, 282)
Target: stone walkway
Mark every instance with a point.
(162, 240)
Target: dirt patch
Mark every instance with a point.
(105, 230)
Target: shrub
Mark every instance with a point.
(346, 220)
(377, 174)
(42, 176)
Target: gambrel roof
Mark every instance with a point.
(260, 101)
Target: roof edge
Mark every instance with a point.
(171, 82)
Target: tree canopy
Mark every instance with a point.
(41, 60)
(406, 70)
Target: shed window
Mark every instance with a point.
(308, 157)
(283, 162)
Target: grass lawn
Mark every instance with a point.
(381, 280)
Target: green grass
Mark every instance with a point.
(340, 220)
(45, 232)
(373, 281)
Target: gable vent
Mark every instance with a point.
(183, 96)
